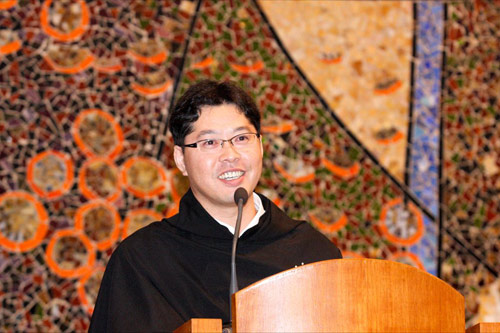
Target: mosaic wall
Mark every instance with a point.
(353, 133)
(367, 83)
(471, 156)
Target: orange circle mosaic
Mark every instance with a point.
(6, 4)
(88, 287)
(99, 178)
(173, 210)
(342, 172)
(397, 136)
(271, 195)
(387, 229)
(157, 58)
(179, 184)
(330, 59)
(407, 258)
(351, 255)
(10, 47)
(389, 89)
(50, 174)
(24, 219)
(328, 226)
(108, 66)
(294, 171)
(151, 91)
(62, 254)
(137, 219)
(72, 35)
(84, 60)
(205, 63)
(275, 125)
(144, 177)
(100, 222)
(97, 133)
(248, 69)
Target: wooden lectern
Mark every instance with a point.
(349, 295)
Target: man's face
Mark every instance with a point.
(214, 176)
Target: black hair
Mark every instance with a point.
(187, 110)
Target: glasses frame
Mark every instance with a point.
(222, 141)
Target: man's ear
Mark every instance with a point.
(179, 159)
(261, 147)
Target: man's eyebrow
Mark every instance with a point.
(205, 132)
(212, 132)
(241, 128)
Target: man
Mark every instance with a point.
(179, 268)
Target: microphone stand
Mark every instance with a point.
(233, 287)
(240, 197)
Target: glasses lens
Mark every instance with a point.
(209, 144)
(243, 139)
(238, 141)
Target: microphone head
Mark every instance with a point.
(240, 194)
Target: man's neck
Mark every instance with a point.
(228, 214)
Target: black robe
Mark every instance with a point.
(179, 268)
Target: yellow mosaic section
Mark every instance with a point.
(357, 54)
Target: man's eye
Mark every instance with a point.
(209, 143)
(241, 138)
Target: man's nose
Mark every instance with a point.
(228, 150)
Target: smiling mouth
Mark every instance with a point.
(231, 175)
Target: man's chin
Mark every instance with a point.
(224, 198)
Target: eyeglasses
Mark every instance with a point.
(240, 141)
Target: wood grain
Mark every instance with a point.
(199, 325)
(349, 295)
(484, 328)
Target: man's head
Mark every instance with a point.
(216, 129)
(209, 93)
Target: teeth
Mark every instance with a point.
(231, 175)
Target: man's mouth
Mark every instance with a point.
(231, 175)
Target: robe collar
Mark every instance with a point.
(194, 219)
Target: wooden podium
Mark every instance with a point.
(347, 295)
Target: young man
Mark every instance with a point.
(179, 268)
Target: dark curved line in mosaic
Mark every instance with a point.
(441, 150)
(409, 137)
(405, 189)
(50, 116)
(177, 80)
(473, 253)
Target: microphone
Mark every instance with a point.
(240, 194)
(240, 199)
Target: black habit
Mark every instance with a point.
(179, 268)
